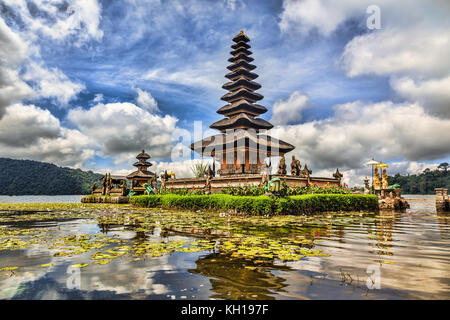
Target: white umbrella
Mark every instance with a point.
(372, 163)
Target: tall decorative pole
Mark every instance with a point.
(372, 163)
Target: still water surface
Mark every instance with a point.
(147, 254)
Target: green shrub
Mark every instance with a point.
(260, 190)
(146, 201)
(261, 205)
(310, 203)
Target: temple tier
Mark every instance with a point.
(241, 148)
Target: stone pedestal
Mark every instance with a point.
(442, 200)
(390, 199)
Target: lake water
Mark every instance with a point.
(120, 252)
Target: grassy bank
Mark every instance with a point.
(261, 205)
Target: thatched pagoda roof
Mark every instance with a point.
(142, 163)
(241, 56)
(140, 174)
(242, 94)
(220, 143)
(241, 63)
(241, 36)
(240, 44)
(241, 83)
(143, 155)
(242, 106)
(241, 73)
(241, 121)
(240, 50)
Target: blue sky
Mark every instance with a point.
(90, 83)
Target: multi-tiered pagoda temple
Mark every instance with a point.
(241, 147)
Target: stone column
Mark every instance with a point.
(441, 195)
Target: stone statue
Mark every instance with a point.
(209, 176)
(209, 172)
(163, 180)
(376, 180)
(295, 167)
(265, 173)
(384, 180)
(152, 182)
(282, 166)
(124, 187)
(366, 186)
(305, 172)
(108, 184)
(104, 184)
(338, 175)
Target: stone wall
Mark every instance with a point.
(105, 199)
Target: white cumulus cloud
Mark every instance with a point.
(59, 20)
(52, 83)
(146, 101)
(29, 132)
(121, 130)
(290, 110)
(13, 51)
(434, 94)
(357, 131)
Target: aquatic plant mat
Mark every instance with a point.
(130, 252)
(257, 240)
(262, 205)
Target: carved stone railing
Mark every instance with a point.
(218, 183)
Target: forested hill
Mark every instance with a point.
(27, 177)
(423, 183)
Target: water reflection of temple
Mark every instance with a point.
(230, 279)
(444, 224)
(339, 232)
(384, 226)
(133, 226)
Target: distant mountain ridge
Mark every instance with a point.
(29, 177)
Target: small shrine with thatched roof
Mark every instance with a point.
(141, 176)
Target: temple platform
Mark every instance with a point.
(217, 184)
